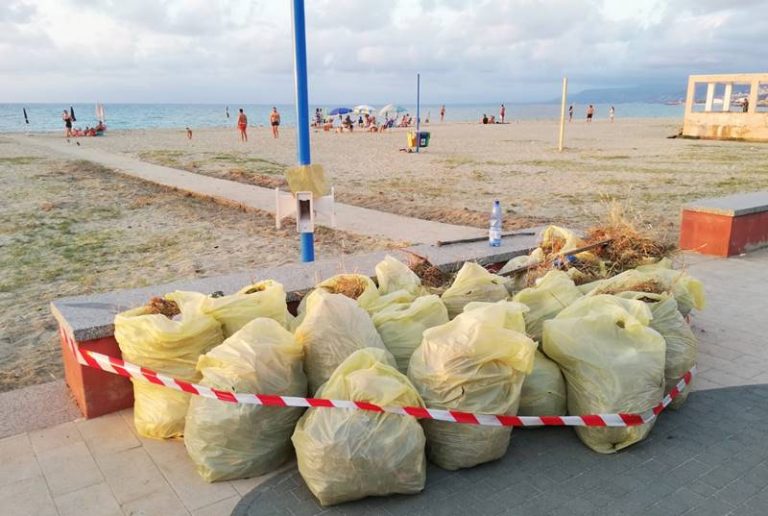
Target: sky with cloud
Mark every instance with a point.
(366, 50)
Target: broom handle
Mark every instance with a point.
(441, 243)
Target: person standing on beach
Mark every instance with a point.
(242, 126)
(612, 113)
(274, 121)
(570, 113)
(442, 112)
(67, 123)
(590, 113)
(502, 112)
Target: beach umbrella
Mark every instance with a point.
(340, 111)
(363, 109)
(72, 114)
(26, 120)
(392, 108)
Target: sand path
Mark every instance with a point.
(362, 221)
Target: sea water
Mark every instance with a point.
(47, 117)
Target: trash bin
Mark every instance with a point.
(423, 137)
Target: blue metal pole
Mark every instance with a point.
(418, 117)
(307, 240)
(307, 245)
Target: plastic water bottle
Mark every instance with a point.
(494, 230)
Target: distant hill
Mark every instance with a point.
(657, 95)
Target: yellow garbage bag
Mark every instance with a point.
(262, 299)
(167, 346)
(602, 303)
(402, 325)
(355, 286)
(552, 293)
(473, 283)
(612, 362)
(682, 345)
(688, 291)
(471, 364)
(393, 298)
(393, 275)
(656, 278)
(334, 327)
(543, 391)
(586, 288)
(228, 441)
(345, 454)
(508, 314)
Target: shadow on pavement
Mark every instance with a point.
(709, 457)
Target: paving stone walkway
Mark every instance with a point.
(354, 219)
(709, 458)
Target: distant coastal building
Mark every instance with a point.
(734, 107)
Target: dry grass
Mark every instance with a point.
(158, 305)
(647, 286)
(349, 285)
(630, 244)
(431, 276)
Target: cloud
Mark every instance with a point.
(202, 50)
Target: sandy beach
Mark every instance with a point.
(468, 165)
(73, 228)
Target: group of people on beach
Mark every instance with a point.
(492, 119)
(364, 122)
(75, 132)
(242, 123)
(591, 113)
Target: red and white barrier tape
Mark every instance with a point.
(127, 369)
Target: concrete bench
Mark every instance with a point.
(725, 226)
(87, 321)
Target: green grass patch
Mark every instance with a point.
(250, 164)
(19, 160)
(453, 162)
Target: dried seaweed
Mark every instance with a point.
(158, 305)
(349, 285)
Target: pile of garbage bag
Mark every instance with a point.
(549, 344)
